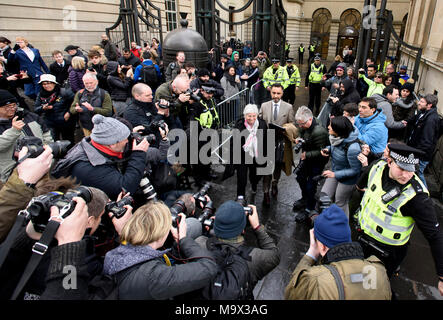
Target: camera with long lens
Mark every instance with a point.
(35, 147)
(200, 196)
(192, 95)
(323, 202)
(299, 145)
(242, 201)
(205, 216)
(147, 188)
(117, 207)
(177, 208)
(39, 208)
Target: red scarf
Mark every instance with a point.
(106, 150)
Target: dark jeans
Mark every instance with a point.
(63, 132)
(314, 97)
(242, 176)
(307, 185)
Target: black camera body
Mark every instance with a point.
(192, 95)
(200, 196)
(117, 207)
(242, 201)
(138, 137)
(328, 76)
(205, 216)
(361, 71)
(153, 127)
(20, 113)
(177, 208)
(39, 208)
(299, 145)
(35, 147)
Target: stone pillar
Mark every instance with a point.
(333, 37)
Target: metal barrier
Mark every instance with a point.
(231, 109)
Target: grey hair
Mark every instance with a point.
(139, 88)
(89, 75)
(303, 114)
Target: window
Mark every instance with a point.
(171, 14)
(231, 18)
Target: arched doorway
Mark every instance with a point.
(321, 26)
(348, 30)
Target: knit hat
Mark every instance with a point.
(108, 130)
(331, 227)
(250, 108)
(408, 86)
(6, 98)
(230, 220)
(202, 72)
(341, 66)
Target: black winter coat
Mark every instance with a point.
(61, 101)
(423, 130)
(119, 89)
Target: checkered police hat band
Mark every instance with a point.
(408, 160)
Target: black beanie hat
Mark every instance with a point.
(6, 98)
(202, 72)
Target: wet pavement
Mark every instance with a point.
(416, 279)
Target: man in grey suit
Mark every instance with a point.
(277, 112)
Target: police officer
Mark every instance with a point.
(275, 74)
(293, 83)
(311, 52)
(394, 200)
(314, 76)
(301, 52)
(205, 113)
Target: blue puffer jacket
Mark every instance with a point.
(346, 166)
(373, 131)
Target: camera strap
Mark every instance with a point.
(20, 222)
(38, 251)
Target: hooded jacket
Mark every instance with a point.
(373, 131)
(119, 89)
(384, 104)
(147, 277)
(345, 164)
(349, 96)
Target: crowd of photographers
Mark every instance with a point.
(92, 209)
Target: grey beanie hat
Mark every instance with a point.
(108, 130)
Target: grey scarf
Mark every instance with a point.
(335, 141)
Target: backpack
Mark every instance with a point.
(233, 279)
(149, 76)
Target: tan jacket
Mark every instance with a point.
(311, 282)
(285, 113)
(14, 196)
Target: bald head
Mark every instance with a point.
(142, 92)
(180, 83)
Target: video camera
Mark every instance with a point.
(117, 207)
(39, 207)
(35, 147)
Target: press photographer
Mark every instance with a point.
(311, 164)
(38, 199)
(141, 111)
(105, 160)
(246, 265)
(16, 122)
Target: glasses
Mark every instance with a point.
(379, 77)
(299, 123)
(10, 106)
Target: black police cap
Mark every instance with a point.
(405, 157)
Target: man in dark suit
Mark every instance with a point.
(277, 112)
(31, 62)
(59, 68)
